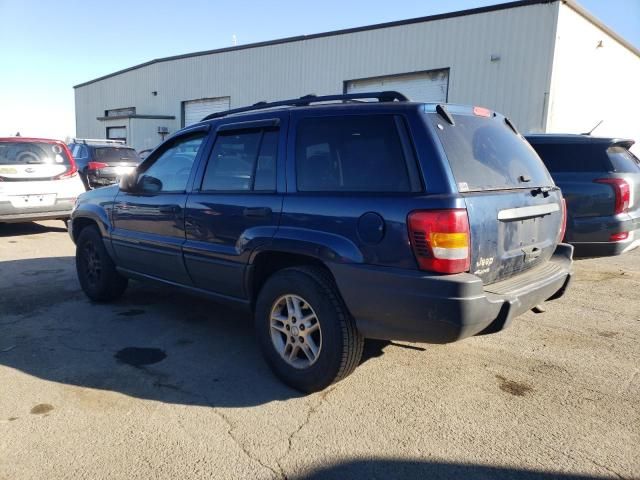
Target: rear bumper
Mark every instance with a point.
(409, 305)
(590, 236)
(102, 180)
(61, 210)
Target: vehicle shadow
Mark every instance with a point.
(393, 468)
(155, 343)
(29, 228)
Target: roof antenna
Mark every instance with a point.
(591, 131)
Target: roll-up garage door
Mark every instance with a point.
(196, 110)
(429, 86)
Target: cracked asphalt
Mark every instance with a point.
(557, 395)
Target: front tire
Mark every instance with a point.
(306, 334)
(97, 273)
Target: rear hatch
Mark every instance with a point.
(515, 210)
(27, 160)
(114, 161)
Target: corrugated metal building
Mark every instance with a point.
(547, 64)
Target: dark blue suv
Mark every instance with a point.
(333, 222)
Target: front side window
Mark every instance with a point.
(242, 161)
(170, 171)
(350, 154)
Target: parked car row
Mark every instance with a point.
(333, 220)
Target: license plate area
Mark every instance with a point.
(33, 201)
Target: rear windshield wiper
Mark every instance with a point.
(543, 190)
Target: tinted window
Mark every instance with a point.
(486, 154)
(266, 168)
(350, 154)
(170, 171)
(239, 158)
(573, 157)
(32, 153)
(116, 154)
(623, 160)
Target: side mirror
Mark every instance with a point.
(129, 182)
(149, 184)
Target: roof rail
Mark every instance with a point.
(388, 96)
(88, 141)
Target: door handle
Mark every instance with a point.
(257, 212)
(169, 209)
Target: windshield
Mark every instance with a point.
(32, 153)
(486, 154)
(116, 154)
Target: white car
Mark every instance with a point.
(38, 180)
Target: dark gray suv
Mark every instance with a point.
(600, 180)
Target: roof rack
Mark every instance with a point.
(88, 141)
(388, 96)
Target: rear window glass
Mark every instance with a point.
(115, 154)
(350, 154)
(623, 160)
(32, 153)
(573, 157)
(485, 154)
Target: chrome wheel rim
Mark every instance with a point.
(295, 331)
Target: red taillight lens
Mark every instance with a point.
(73, 168)
(622, 192)
(96, 165)
(563, 225)
(440, 240)
(616, 237)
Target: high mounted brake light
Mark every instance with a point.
(621, 190)
(440, 240)
(481, 112)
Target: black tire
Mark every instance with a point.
(341, 344)
(96, 271)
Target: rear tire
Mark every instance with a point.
(97, 273)
(306, 334)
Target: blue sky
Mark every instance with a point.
(47, 47)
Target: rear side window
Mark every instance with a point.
(32, 153)
(242, 161)
(573, 157)
(350, 154)
(486, 154)
(623, 160)
(115, 154)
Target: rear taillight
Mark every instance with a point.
(440, 240)
(621, 190)
(563, 220)
(96, 165)
(617, 237)
(72, 171)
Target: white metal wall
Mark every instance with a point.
(516, 85)
(594, 78)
